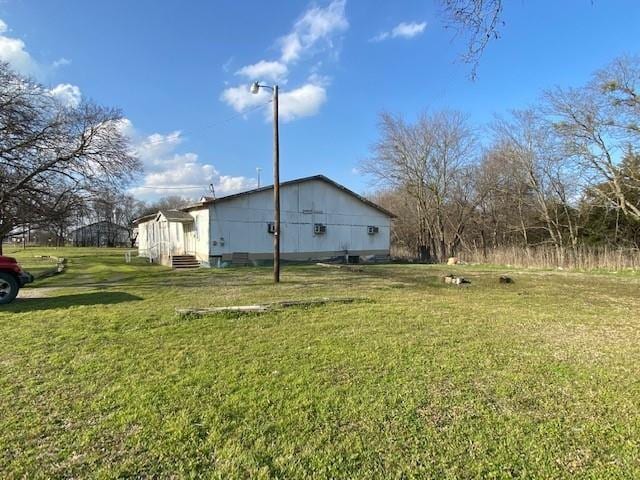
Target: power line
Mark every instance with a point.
(145, 143)
(186, 187)
(244, 112)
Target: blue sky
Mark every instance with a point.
(180, 73)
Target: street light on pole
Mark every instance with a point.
(255, 88)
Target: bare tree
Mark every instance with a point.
(170, 202)
(49, 151)
(428, 161)
(558, 178)
(479, 21)
(598, 123)
(529, 152)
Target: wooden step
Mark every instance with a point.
(184, 261)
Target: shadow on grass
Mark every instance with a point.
(67, 301)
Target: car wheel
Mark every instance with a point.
(8, 288)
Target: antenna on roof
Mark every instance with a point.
(213, 192)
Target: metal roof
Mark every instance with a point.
(176, 216)
(145, 218)
(292, 182)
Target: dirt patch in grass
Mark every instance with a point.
(41, 292)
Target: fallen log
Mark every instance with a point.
(236, 308)
(263, 307)
(319, 301)
(54, 270)
(341, 266)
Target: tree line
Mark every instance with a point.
(57, 161)
(63, 166)
(562, 174)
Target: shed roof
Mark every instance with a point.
(176, 216)
(145, 218)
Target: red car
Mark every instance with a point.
(12, 279)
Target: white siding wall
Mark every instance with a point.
(201, 219)
(173, 237)
(240, 225)
(143, 238)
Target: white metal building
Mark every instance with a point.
(320, 219)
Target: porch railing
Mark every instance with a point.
(154, 252)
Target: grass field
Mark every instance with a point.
(539, 379)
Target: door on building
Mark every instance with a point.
(189, 238)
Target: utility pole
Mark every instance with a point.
(255, 88)
(276, 188)
(258, 170)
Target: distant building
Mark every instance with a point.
(101, 234)
(320, 219)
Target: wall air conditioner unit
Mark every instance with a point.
(371, 230)
(271, 227)
(319, 229)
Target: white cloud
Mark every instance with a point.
(14, 52)
(67, 94)
(191, 179)
(408, 30)
(302, 102)
(227, 184)
(61, 62)
(263, 70)
(320, 80)
(316, 24)
(156, 150)
(167, 172)
(227, 65)
(313, 32)
(291, 47)
(241, 99)
(402, 30)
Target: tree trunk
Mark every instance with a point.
(483, 237)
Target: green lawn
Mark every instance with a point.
(100, 378)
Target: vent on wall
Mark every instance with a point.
(371, 230)
(319, 228)
(271, 227)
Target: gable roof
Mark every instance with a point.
(144, 218)
(292, 182)
(175, 216)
